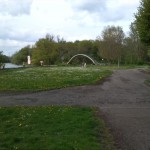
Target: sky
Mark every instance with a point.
(23, 22)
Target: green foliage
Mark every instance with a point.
(111, 43)
(134, 50)
(45, 50)
(113, 47)
(4, 58)
(148, 54)
(143, 21)
(44, 78)
(52, 127)
(52, 51)
(1, 57)
(21, 56)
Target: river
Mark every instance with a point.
(10, 65)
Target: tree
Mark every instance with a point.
(85, 47)
(3, 59)
(45, 50)
(61, 48)
(1, 56)
(111, 43)
(135, 51)
(143, 21)
(21, 56)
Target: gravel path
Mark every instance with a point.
(124, 100)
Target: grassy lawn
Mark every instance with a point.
(52, 128)
(38, 78)
(115, 67)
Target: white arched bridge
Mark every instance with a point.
(84, 55)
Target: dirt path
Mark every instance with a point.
(124, 100)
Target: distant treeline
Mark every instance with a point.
(112, 46)
(4, 58)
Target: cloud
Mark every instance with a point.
(15, 7)
(25, 21)
(10, 46)
(21, 34)
(89, 6)
(121, 10)
(94, 6)
(105, 10)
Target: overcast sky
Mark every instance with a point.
(23, 22)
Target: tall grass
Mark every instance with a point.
(44, 78)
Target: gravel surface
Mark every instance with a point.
(123, 99)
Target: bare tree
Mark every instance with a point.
(111, 43)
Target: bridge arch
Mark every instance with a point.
(84, 55)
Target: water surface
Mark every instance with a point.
(10, 65)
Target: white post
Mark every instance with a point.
(28, 60)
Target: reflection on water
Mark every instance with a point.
(10, 65)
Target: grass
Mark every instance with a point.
(115, 67)
(34, 79)
(52, 128)
(148, 82)
(148, 72)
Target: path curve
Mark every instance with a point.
(124, 100)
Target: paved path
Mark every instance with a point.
(124, 100)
